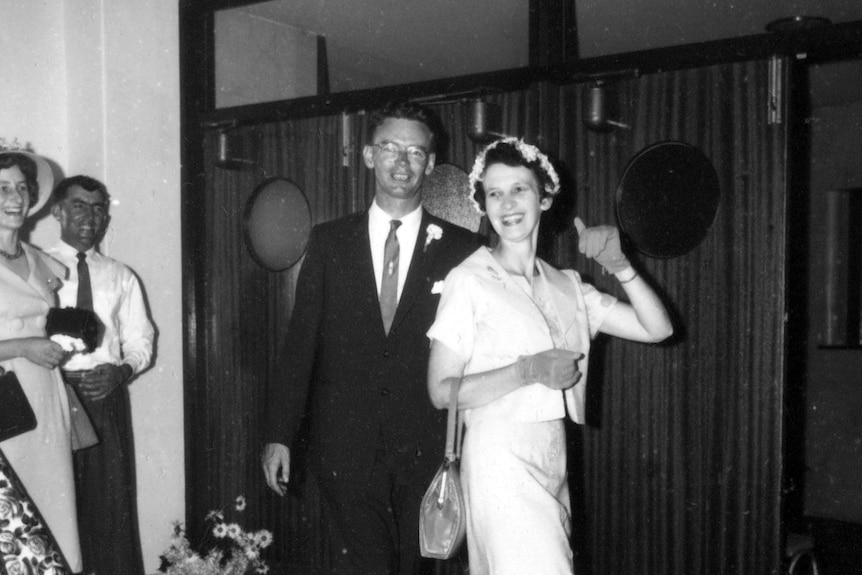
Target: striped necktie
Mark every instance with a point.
(389, 284)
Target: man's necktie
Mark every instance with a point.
(85, 289)
(389, 285)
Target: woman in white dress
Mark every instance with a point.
(42, 458)
(516, 332)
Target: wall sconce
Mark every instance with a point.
(792, 24)
(226, 159)
(485, 121)
(598, 106)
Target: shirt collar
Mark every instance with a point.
(377, 215)
(68, 251)
(379, 220)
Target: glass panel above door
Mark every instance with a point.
(284, 49)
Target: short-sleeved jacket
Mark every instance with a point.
(490, 321)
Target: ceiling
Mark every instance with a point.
(399, 42)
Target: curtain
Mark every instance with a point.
(682, 460)
(243, 314)
(684, 468)
(679, 468)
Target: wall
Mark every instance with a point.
(834, 387)
(35, 78)
(258, 60)
(94, 86)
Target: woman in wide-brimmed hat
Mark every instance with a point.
(40, 459)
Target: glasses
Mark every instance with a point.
(390, 152)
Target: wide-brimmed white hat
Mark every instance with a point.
(44, 176)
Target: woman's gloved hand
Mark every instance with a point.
(602, 243)
(555, 368)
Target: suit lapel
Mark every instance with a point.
(357, 267)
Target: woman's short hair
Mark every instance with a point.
(514, 153)
(28, 168)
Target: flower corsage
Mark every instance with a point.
(432, 232)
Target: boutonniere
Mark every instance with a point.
(437, 287)
(432, 232)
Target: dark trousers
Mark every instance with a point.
(105, 489)
(375, 521)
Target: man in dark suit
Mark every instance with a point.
(356, 355)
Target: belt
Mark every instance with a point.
(74, 377)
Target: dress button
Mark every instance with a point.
(16, 324)
(384, 391)
(386, 353)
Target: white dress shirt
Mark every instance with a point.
(118, 301)
(407, 232)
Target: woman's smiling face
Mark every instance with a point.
(512, 201)
(14, 197)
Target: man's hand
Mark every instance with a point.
(276, 466)
(103, 379)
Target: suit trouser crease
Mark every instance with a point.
(105, 489)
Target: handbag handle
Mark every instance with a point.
(454, 424)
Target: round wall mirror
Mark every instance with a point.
(277, 224)
(667, 199)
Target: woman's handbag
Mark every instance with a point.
(84, 434)
(82, 324)
(16, 415)
(443, 512)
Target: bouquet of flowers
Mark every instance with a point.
(226, 550)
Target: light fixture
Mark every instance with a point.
(598, 106)
(792, 24)
(225, 158)
(226, 153)
(484, 122)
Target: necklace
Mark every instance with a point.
(19, 251)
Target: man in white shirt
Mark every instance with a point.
(105, 473)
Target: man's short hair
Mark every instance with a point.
(405, 110)
(86, 182)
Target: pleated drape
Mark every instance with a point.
(679, 469)
(243, 319)
(684, 468)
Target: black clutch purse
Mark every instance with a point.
(77, 323)
(16, 415)
(85, 325)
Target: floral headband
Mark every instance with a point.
(527, 151)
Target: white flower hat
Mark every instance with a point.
(44, 175)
